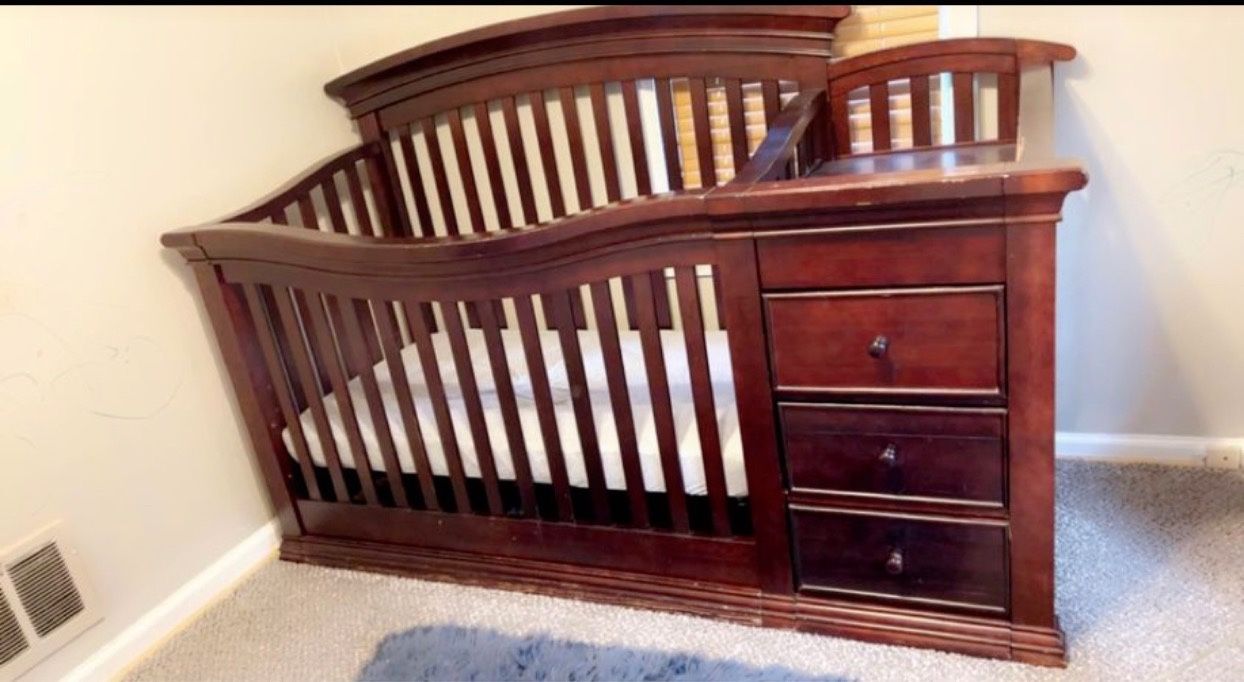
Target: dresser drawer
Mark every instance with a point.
(888, 257)
(947, 456)
(920, 560)
(945, 340)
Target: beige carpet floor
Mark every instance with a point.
(1150, 578)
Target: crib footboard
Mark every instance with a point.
(553, 396)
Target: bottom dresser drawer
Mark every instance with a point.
(921, 560)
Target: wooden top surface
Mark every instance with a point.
(960, 157)
(947, 173)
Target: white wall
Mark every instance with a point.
(1151, 254)
(116, 125)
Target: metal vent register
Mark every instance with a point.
(43, 601)
(46, 589)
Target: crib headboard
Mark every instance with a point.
(501, 126)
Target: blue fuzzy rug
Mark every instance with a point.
(446, 652)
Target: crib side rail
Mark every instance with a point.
(310, 312)
(937, 93)
(796, 143)
(347, 192)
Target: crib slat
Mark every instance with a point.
(414, 175)
(635, 131)
(703, 133)
(771, 97)
(544, 406)
(282, 387)
(279, 217)
(840, 117)
(669, 134)
(580, 400)
(475, 410)
(578, 156)
(318, 354)
(718, 301)
(466, 175)
(362, 217)
(604, 137)
(544, 138)
(921, 115)
(509, 407)
(405, 403)
(422, 208)
(354, 315)
(661, 301)
(332, 200)
(702, 395)
(582, 182)
(738, 125)
(345, 403)
(620, 400)
(440, 176)
(440, 405)
(518, 154)
(394, 219)
(285, 349)
(306, 213)
(1008, 106)
(879, 109)
(662, 412)
(311, 392)
(483, 123)
(965, 108)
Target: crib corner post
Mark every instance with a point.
(741, 306)
(235, 335)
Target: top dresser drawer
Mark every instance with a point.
(883, 257)
(923, 341)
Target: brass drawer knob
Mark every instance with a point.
(894, 563)
(889, 456)
(879, 346)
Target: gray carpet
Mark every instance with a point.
(1150, 576)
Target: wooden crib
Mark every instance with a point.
(663, 307)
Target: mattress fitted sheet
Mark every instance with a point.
(674, 351)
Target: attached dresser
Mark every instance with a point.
(909, 354)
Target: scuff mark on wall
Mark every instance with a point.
(130, 377)
(1204, 188)
(132, 380)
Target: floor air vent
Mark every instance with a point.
(43, 601)
(12, 639)
(46, 589)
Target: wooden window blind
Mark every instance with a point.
(876, 27)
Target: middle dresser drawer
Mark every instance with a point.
(923, 341)
(896, 454)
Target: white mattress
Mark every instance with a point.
(680, 397)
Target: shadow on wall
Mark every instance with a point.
(1128, 356)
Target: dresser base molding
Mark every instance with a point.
(984, 637)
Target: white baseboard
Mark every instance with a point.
(169, 615)
(1131, 448)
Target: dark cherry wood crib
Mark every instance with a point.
(664, 307)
